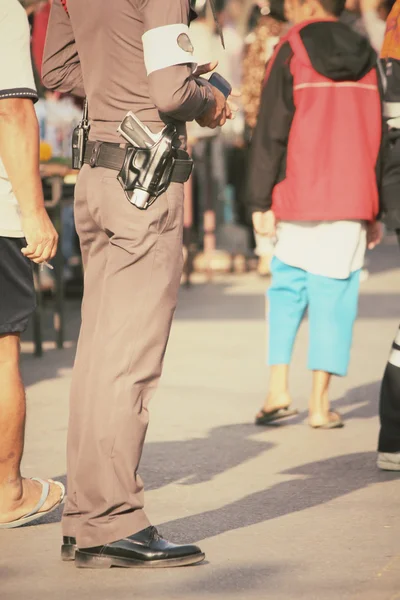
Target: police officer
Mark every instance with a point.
(125, 55)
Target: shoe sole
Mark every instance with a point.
(83, 560)
(388, 466)
(68, 552)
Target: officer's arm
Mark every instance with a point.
(61, 68)
(169, 61)
(271, 134)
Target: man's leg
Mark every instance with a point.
(319, 411)
(287, 302)
(12, 411)
(18, 496)
(120, 361)
(333, 305)
(12, 430)
(94, 245)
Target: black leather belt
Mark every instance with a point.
(112, 156)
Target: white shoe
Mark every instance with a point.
(389, 461)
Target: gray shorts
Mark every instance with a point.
(17, 293)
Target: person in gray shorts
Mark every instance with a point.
(26, 234)
(124, 55)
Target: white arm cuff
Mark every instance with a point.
(167, 46)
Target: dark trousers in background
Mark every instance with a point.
(237, 167)
(389, 410)
(210, 179)
(389, 437)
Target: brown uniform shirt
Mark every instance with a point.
(97, 51)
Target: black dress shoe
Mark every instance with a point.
(144, 549)
(68, 548)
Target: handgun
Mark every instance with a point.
(159, 152)
(135, 132)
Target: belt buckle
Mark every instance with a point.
(95, 154)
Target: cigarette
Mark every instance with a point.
(46, 264)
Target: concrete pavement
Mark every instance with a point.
(283, 512)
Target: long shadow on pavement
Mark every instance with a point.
(200, 460)
(322, 481)
(366, 397)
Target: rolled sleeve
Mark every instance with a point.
(16, 74)
(173, 89)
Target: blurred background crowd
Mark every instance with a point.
(218, 235)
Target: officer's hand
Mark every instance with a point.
(206, 68)
(264, 223)
(218, 113)
(41, 237)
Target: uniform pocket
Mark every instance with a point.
(125, 220)
(174, 200)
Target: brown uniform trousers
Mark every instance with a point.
(132, 263)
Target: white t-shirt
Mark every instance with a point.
(16, 81)
(332, 249)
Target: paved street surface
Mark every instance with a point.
(282, 512)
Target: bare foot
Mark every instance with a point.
(275, 402)
(17, 500)
(321, 419)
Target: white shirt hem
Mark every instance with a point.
(11, 233)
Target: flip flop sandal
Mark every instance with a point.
(275, 415)
(35, 514)
(336, 424)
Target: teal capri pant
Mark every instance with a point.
(332, 309)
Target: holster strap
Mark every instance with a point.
(112, 156)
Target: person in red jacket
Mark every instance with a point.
(314, 180)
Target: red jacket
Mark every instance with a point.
(328, 149)
(40, 22)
